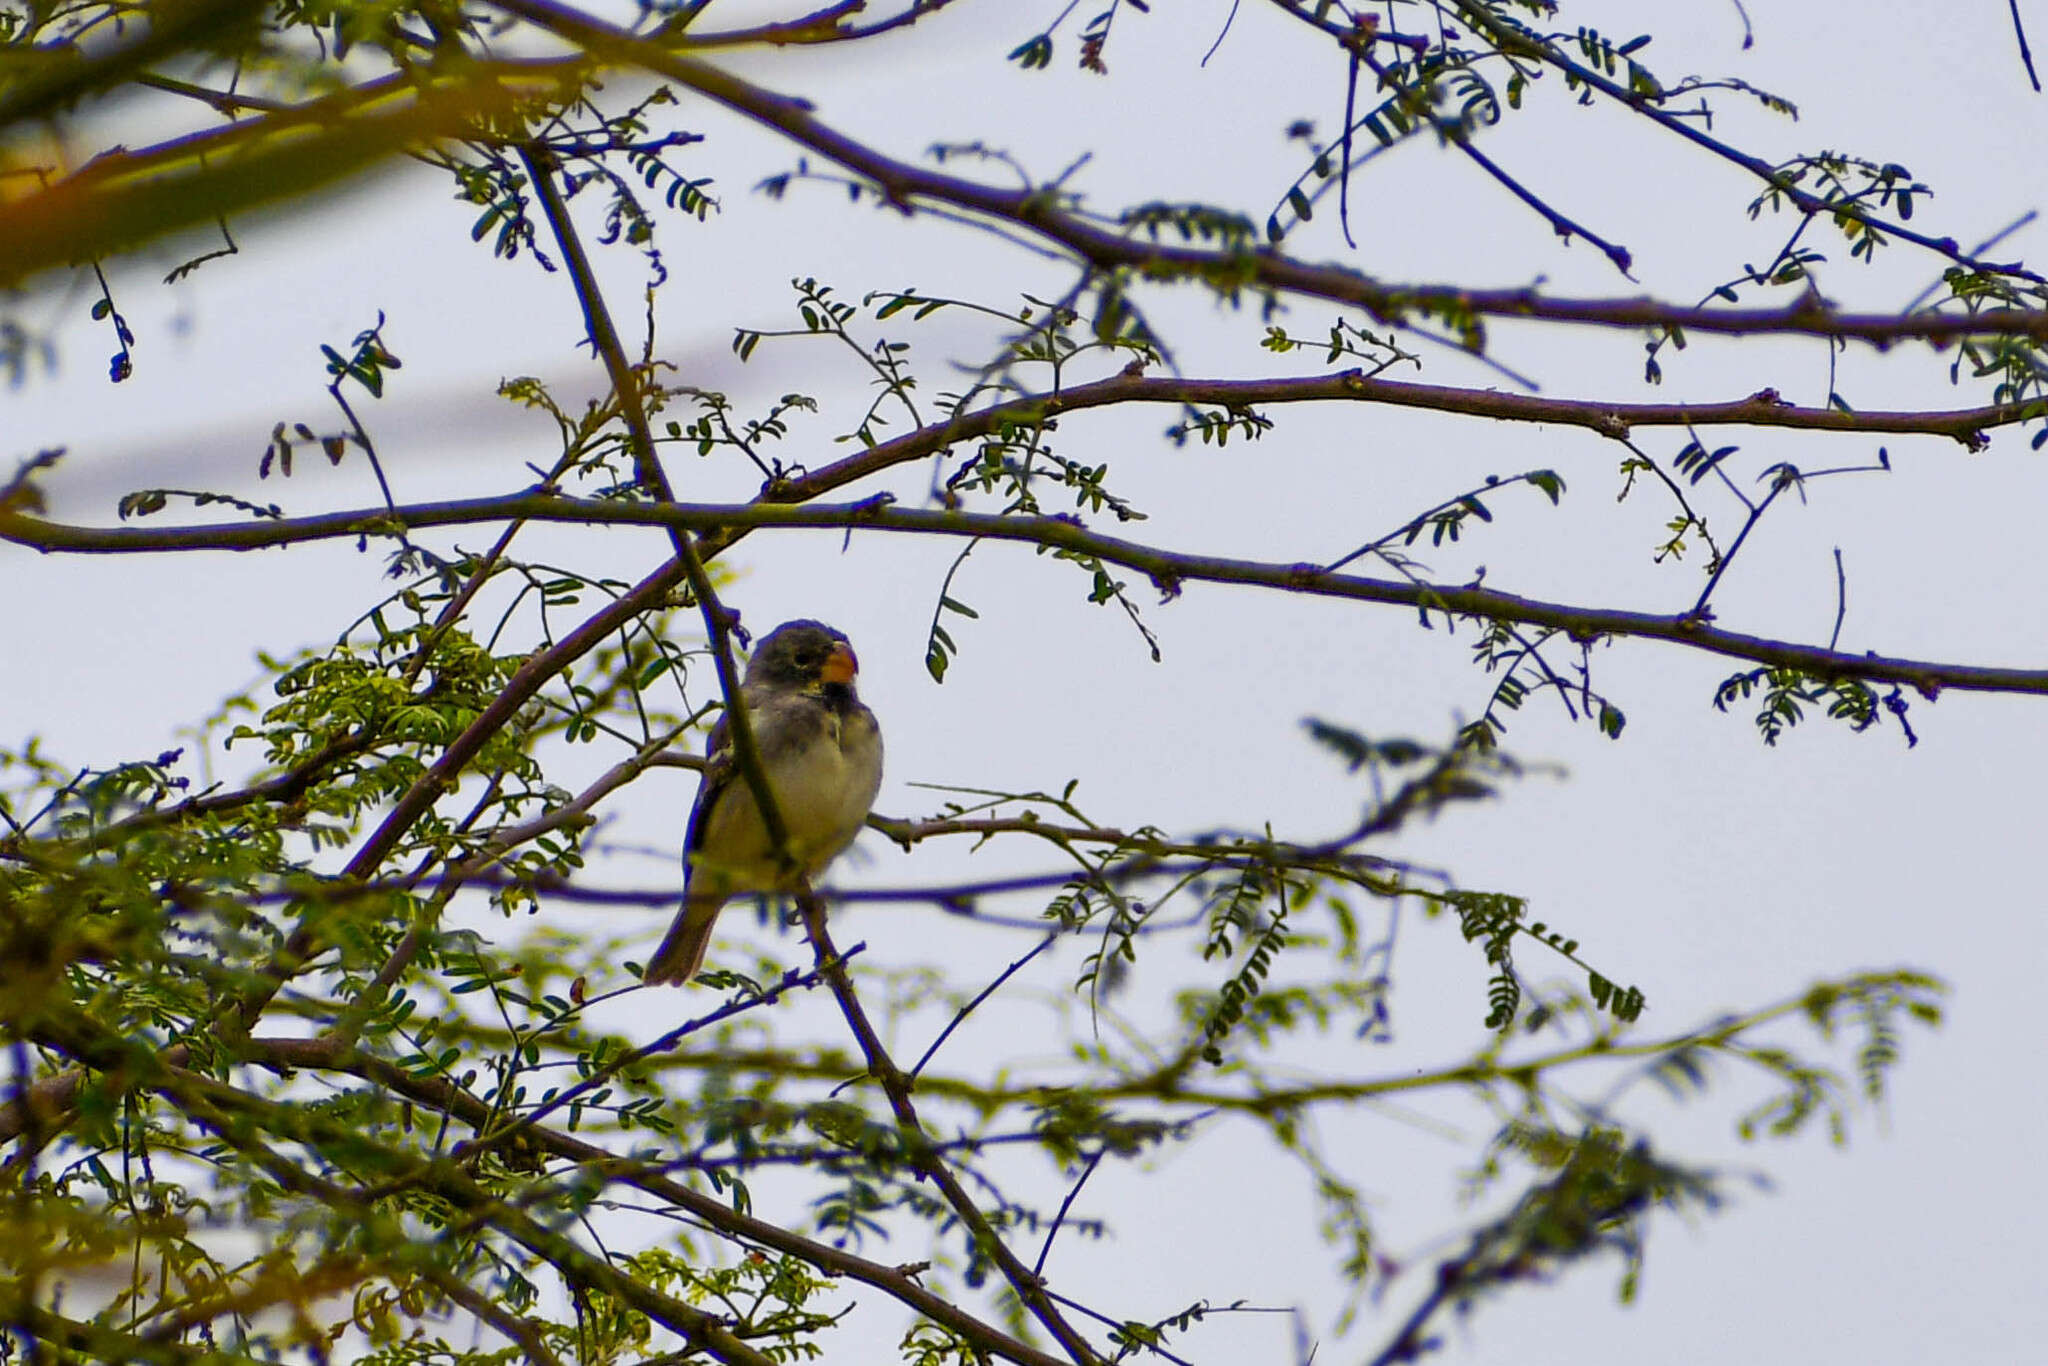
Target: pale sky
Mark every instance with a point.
(1713, 872)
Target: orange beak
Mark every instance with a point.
(840, 666)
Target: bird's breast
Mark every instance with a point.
(824, 791)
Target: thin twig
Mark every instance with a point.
(961, 1015)
(632, 397)
(1028, 1287)
(792, 980)
(2019, 31)
(1841, 600)
(1106, 247)
(523, 1332)
(1038, 1267)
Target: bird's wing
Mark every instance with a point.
(719, 773)
(682, 950)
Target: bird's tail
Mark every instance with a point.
(682, 952)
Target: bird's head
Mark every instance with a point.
(808, 655)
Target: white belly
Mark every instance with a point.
(823, 795)
(823, 801)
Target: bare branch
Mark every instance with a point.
(1168, 569)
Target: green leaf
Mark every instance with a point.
(1033, 53)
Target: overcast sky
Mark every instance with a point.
(1706, 868)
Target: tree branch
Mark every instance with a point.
(1168, 569)
(1512, 38)
(445, 1097)
(1037, 211)
(632, 395)
(446, 771)
(1028, 1285)
(232, 1114)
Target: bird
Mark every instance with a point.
(821, 752)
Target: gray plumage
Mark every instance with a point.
(821, 752)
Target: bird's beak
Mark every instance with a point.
(840, 665)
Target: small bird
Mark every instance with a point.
(821, 752)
